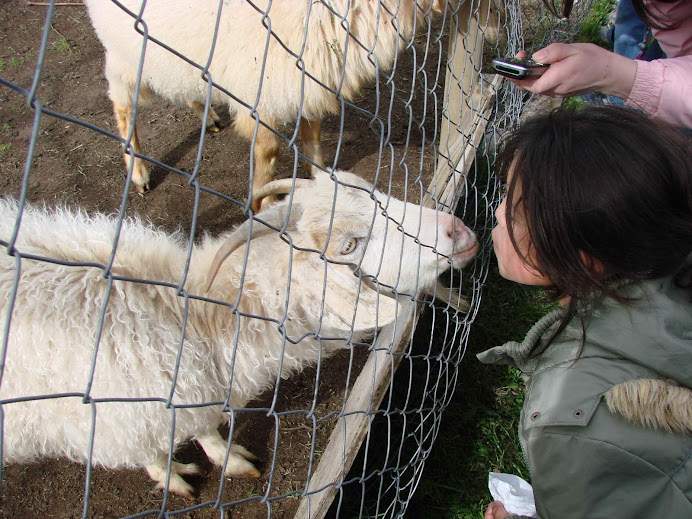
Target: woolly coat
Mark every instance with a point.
(608, 432)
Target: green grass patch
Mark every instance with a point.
(62, 45)
(590, 31)
(573, 103)
(479, 431)
(3, 129)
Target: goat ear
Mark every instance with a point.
(346, 294)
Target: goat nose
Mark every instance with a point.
(455, 228)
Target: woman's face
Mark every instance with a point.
(511, 265)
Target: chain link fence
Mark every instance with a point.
(339, 422)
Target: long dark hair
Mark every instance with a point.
(606, 194)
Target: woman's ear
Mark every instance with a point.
(593, 265)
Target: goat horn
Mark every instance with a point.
(274, 216)
(279, 187)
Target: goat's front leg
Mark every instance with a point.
(265, 152)
(238, 465)
(140, 173)
(176, 484)
(311, 135)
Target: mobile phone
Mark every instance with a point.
(516, 68)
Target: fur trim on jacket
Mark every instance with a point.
(659, 404)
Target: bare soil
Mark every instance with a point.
(80, 167)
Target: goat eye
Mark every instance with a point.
(349, 246)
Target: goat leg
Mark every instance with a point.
(140, 174)
(176, 484)
(237, 465)
(212, 121)
(265, 152)
(311, 135)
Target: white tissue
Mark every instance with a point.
(514, 493)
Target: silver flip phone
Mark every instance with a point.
(516, 68)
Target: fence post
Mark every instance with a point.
(461, 129)
(467, 95)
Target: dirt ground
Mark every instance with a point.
(79, 167)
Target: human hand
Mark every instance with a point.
(578, 68)
(496, 510)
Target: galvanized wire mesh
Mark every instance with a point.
(401, 131)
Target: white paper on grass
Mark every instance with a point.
(513, 492)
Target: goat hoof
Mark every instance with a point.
(238, 465)
(142, 189)
(254, 473)
(158, 471)
(179, 488)
(242, 451)
(214, 127)
(250, 473)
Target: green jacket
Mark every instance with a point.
(608, 433)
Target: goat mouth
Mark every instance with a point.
(463, 257)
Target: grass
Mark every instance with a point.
(62, 45)
(479, 428)
(590, 31)
(15, 62)
(5, 128)
(573, 103)
(12, 62)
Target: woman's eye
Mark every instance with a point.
(349, 246)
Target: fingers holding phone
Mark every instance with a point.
(575, 69)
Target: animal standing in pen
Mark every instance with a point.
(281, 62)
(326, 290)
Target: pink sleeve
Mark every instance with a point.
(663, 88)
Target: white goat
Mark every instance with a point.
(345, 240)
(289, 63)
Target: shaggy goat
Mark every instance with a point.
(319, 279)
(292, 62)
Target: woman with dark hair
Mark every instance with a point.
(661, 88)
(598, 210)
